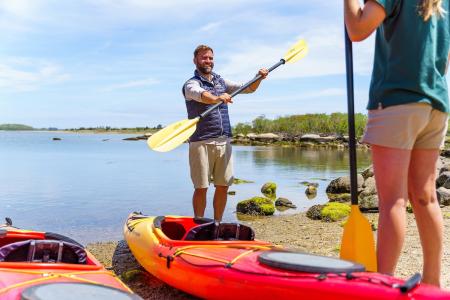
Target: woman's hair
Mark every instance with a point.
(428, 8)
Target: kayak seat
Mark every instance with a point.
(173, 230)
(225, 232)
(43, 251)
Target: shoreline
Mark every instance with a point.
(295, 232)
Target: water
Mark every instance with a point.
(85, 185)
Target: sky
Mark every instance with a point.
(122, 63)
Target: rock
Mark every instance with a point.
(131, 139)
(56, 139)
(251, 136)
(443, 177)
(311, 196)
(314, 212)
(369, 187)
(269, 189)
(315, 138)
(343, 197)
(311, 190)
(445, 153)
(256, 206)
(268, 137)
(284, 202)
(443, 196)
(239, 181)
(231, 193)
(307, 183)
(342, 184)
(369, 203)
(367, 172)
(335, 211)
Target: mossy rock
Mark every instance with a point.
(269, 189)
(240, 181)
(335, 211)
(131, 275)
(343, 197)
(314, 212)
(409, 208)
(446, 215)
(256, 206)
(311, 190)
(232, 193)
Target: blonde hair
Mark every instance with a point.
(427, 8)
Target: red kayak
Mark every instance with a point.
(33, 264)
(226, 262)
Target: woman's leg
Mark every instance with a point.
(422, 193)
(391, 173)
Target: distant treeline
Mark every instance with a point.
(335, 123)
(15, 127)
(117, 129)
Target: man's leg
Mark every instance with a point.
(391, 174)
(199, 202)
(220, 201)
(422, 191)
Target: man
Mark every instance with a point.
(209, 147)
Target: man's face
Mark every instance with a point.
(204, 61)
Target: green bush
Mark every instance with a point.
(335, 123)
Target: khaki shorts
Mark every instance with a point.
(407, 126)
(210, 162)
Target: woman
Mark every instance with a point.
(408, 112)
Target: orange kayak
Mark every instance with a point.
(226, 262)
(38, 263)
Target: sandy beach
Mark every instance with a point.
(294, 232)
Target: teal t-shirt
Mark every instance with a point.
(410, 57)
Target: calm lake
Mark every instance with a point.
(85, 185)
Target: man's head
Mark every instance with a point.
(204, 59)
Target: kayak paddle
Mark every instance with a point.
(358, 244)
(175, 134)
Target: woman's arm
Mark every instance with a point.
(361, 22)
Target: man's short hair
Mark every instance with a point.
(202, 48)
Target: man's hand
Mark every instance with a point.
(225, 98)
(263, 72)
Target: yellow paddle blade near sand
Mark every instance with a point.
(357, 242)
(296, 52)
(173, 135)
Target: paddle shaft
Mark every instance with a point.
(238, 91)
(351, 119)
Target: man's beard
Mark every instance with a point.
(206, 69)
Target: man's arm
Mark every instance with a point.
(361, 22)
(194, 92)
(232, 86)
(254, 86)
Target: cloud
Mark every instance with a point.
(211, 26)
(24, 74)
(132, 84)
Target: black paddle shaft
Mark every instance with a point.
(351, 119)
(238, 91)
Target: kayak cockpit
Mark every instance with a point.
(202, 229)
(26, 248)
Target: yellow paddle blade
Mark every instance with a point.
(358, 244)
(298, 51)
(173, 135)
